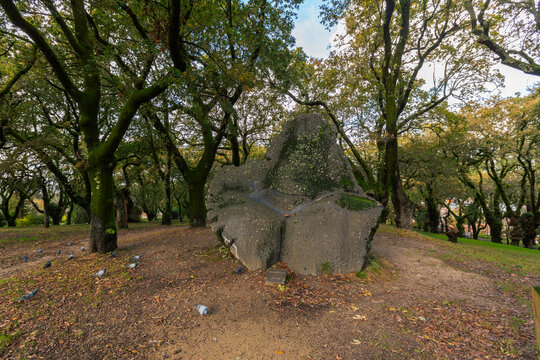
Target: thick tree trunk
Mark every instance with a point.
(403, 207)
(529, 230)
(11, 221)
(495, 227)
(515, 233)
(103, 236)
(197, 206)
(433, 216)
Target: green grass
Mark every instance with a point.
(509, 258)
(505, 247)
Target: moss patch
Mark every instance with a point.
(354, 202)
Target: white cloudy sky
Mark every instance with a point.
(314, 39)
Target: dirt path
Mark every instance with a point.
(415, 307)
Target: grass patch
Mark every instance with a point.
(511, 259)
(354, 202)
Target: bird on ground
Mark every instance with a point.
(69, 244)
(239, 270)
(28, 296)
(136, 258)
(39, 251)
(133, 266)
(101, 272)
(47, 264)
(83, 248)
(25, 258)
(113, 254)
(71, 257)
(58, 252)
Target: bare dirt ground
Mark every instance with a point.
(413, 303)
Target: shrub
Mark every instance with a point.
(30, 220)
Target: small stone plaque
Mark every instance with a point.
(276, 277)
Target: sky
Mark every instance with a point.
(311, 35)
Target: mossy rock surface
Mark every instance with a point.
(300, 204)
(355, 202)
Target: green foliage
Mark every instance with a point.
(30, 220)
(110, 231)
(373, 267)
(326, 267)
(7, 339)
(79, 216)
(354, 202)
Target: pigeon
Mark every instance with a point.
(71, 257)
(58, 252)
(136, 258)
(203, 310)
(25, 258)
(101, 272)
(69, 244)
(113, 254)
(83, 248)
(47, 264)
(27, 296)
(239, 270)
(39, 251)
(133, 266)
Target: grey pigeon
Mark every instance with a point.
(39, 251)
(28, 296)
(113, 254)
(83, 248)
(25, 258)
(136, 258)
(133, 266)
(71, 257)
(58, 252)
(101, 272)
(47, 264)
(203, 310)
(239, 270)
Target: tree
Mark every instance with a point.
(510, 29)
(80, 45)
(377, 64)
(229, 50)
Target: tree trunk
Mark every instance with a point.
(166, 219)
(11, 221)
(529, 230)
(179, 209)
(433, 216)
(515, 233)
(403, 207)
(103, 236)
(69, 213)
(45, 213)
(121, 209)
(459, 225)
(197, 206)
(495, 226)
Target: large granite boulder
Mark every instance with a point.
(300, 204)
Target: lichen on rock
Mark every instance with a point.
(299, 205)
